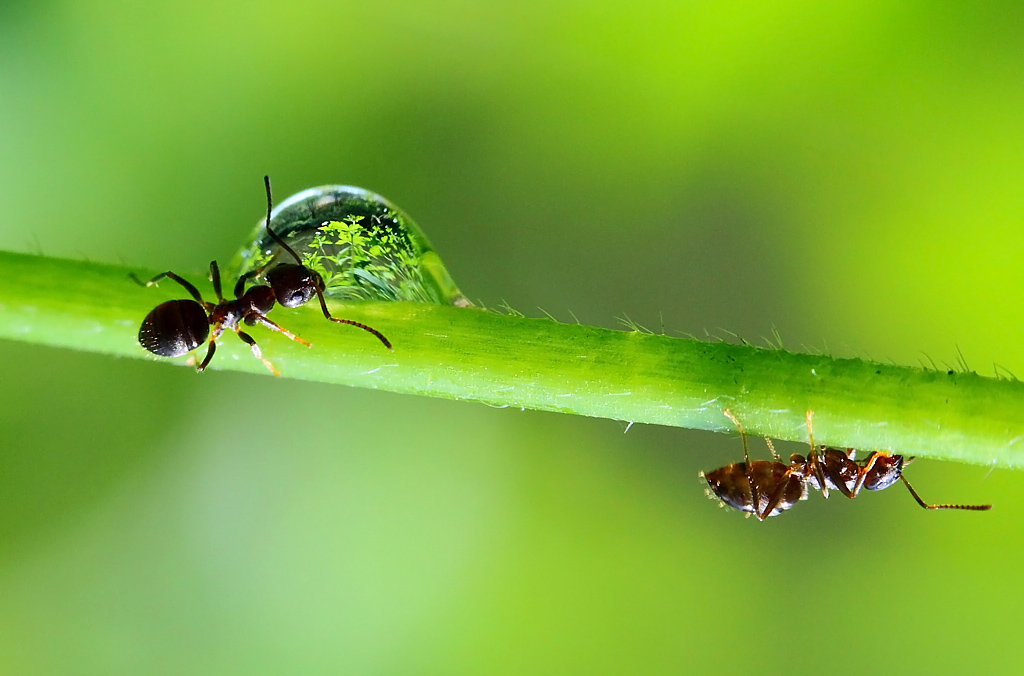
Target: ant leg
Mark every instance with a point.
(812, 458)
(215, 278)
(240, 284)
(380, 336)
(771, 447)
(821, 468)
(780, 492)
(835, 474)
(868, 466)
(252, 274)
(251, 342)
(209, 355)
(280, 329)
(193, 291)
(975, 508)
(754, 495)
(743, 437)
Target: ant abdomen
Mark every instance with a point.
(761, 487)
(174, 328)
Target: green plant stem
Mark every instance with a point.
(503, 360)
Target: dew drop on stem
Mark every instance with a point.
(364, 247)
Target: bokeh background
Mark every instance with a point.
(850, 174)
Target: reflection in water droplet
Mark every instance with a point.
(363, 246)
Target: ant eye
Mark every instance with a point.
(364, 247)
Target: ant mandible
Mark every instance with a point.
(768, 488)
(176, 327)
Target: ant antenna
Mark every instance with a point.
(974, 508)
(273, 235)
(317, 287)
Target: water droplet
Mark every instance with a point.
(363, 246)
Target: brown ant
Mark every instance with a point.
(767, 488)
(176, 327)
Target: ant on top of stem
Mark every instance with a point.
(767, 488)
(176, 327)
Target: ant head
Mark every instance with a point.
(175, 328)
(885, 471)
(294, 284)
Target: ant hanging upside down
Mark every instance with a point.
(767, 488)
(176, 327)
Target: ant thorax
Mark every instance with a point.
(828, 469)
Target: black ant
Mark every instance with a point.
(177, 327)
(767, 488)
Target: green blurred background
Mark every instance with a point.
(850, 175)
